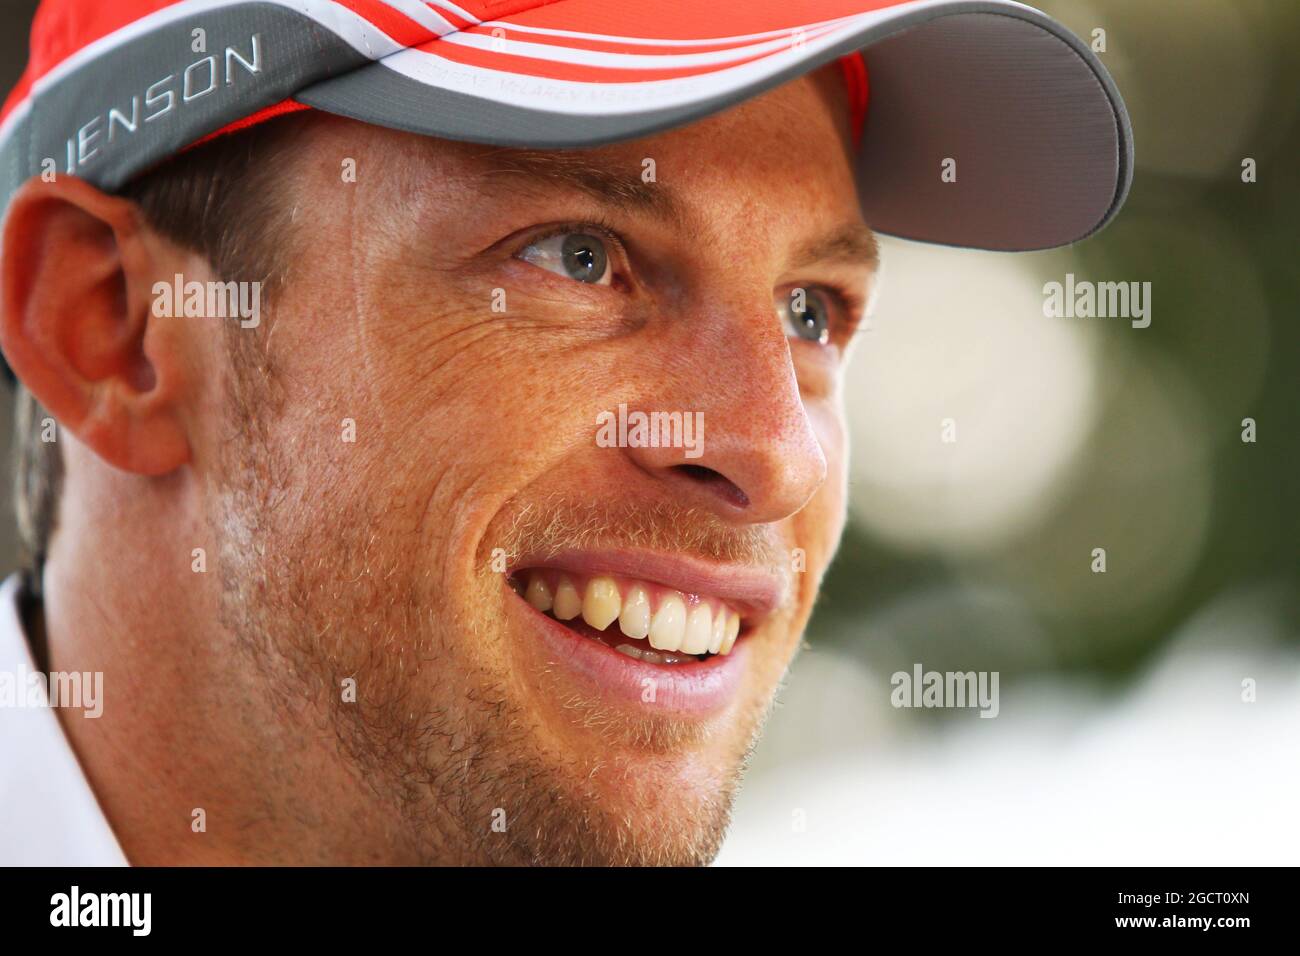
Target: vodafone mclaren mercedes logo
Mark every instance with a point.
(161, 99)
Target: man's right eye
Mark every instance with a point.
(581, 256)
(806, 314)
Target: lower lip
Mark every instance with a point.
(698, 689)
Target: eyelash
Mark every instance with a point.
(597, 226)
(849, 303)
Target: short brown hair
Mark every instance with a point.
(218, 200)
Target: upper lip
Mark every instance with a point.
(752, 591)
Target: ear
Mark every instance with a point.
(77, 269)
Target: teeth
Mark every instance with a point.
(655, 657)
(538, 593)
(699, 628)
(678, 632)
(602, 603)
(634, 621)
(568, 604)
(719, 632)
(669, 624)
(733, 629)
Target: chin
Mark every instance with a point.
(636, 815)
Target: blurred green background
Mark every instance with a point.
(1075, 433)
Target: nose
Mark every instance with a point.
(758, 458)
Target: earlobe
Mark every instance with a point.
(77, 267)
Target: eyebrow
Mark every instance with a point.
(623, 189)
(542, 170)
(854, 244)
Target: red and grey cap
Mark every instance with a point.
(1039, 136)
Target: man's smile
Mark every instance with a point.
(652, 628)
(655, 624)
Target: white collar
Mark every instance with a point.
(50, 814)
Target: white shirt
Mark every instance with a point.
(48, 814)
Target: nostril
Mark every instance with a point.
(719, 482)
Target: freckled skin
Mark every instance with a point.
(331, 560)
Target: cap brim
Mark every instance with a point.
(1036, 132)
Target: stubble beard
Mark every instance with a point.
(319, 587)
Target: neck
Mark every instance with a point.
(194, 761)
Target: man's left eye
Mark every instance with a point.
(581, 256)
(806, 314)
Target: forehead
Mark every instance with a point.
(789, 145)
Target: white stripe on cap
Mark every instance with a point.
(422, 14)
(579, 97)
(650, 41)
(452, 8)
(626, 61)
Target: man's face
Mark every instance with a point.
(420, 441)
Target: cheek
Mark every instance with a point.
(392, 409)
(821, 521)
